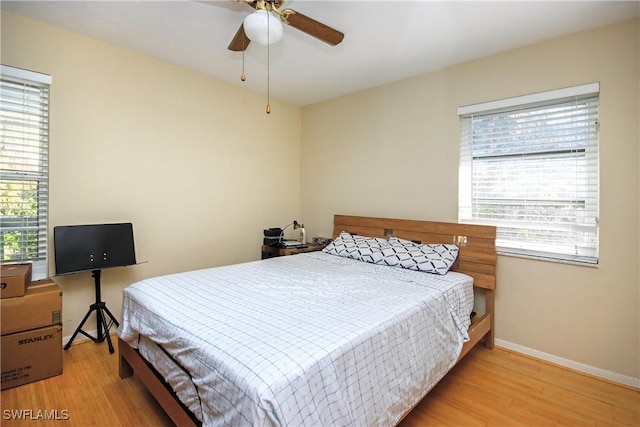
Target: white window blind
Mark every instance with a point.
(24, 167)
(529, 165)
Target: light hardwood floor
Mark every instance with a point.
(487, 388)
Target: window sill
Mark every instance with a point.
(507, 253)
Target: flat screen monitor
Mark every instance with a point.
(93, 247)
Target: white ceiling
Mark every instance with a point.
(384, 41)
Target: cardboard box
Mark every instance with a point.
(40, 306)
(31, 355)
(14, 279)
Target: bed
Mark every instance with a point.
(315, 338)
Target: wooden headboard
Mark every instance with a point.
(477, 257)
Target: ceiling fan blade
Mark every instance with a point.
(313, 27)
(240, 41)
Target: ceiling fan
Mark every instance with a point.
(265, 16)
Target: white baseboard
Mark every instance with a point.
(81, 338)
(576, 366)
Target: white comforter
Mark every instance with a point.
(305, 340)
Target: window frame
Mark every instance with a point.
(39, 83)
(542, 101)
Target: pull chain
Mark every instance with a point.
(268, 64)
(243, 77)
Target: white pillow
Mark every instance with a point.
(396, 252)
(432, 258)
(362, 248)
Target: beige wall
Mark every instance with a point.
(189, 160)
(186, 158)
(393, 151)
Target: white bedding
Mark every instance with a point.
(173, 374)
(310, 339)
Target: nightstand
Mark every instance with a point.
(274, 251)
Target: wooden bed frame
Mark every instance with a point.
(477, 258)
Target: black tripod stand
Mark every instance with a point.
(101, 309)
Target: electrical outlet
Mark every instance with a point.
(460, 240)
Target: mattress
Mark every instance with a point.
(309, 339)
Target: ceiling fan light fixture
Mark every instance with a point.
(263, 28)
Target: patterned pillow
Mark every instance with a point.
(395, 252)
(367, 249)
(431, 258)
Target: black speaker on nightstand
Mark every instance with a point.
(272, 236)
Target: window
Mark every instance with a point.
(529, 165)
(24, 170)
